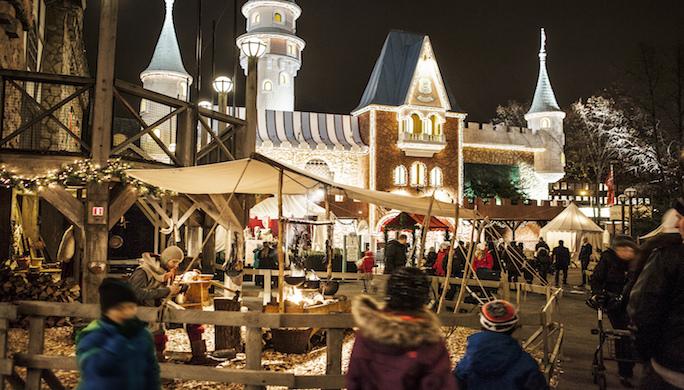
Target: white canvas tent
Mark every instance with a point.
(259, 175)
(294, 206)
(571, 226)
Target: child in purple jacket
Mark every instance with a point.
(399, 345)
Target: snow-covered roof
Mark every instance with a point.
(167, 56)
(544, 99)
(393, 72)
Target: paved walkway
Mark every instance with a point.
(579, 344)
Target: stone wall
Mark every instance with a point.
(496, 156)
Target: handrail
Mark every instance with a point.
(49, 78)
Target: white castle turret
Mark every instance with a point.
(546, 117)
(166, 75)
(275, 23)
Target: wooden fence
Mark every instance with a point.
(41, 366)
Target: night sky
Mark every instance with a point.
(486, 49)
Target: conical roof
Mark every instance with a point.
(167, 56)
(544, 99)
(571, 220)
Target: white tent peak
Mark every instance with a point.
(570, 220)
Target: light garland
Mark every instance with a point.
(79, 173)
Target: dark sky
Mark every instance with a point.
(486, 49)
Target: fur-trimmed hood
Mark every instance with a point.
(395, 329)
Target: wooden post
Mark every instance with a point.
(333, 356)
(268, 293)
(424, 232)
(4, 327)
(450, 261)
(245, 137)
(329, 246)
(96, 228)
(186, 148)
(227, 337)
(35, 347)
(253, 345)
(468, 265)
(281, 252)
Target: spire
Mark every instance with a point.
(167, 56)
(544, 99)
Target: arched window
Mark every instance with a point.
(268, 86)
(427, 126)
(256, 18)
(545, 123)
(436, 125)
(400, 176)
(278, 17)
(418, 174)
(283, 79)
(417, 123)
(320, 168)
(436, 177)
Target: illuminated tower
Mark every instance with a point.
(275, 23)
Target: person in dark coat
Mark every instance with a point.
(543, 263)
(584, 258)
(395, 254)
(656, 308)
(431, 257)
(116, 352)
(399, 345)
(494, 359)
(561, 261)
(609, 279)
(510, 257)
(542, 244)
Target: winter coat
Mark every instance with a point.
(610, 275)
(441, 262)
(496, 361)
(585, 254)
(109, 361)
(561, 255)
(485, 261)
(397, 351)
(148, 286)
(395, 256)
(656, 307)
(367, 263)
(431, 259)
(542, 244)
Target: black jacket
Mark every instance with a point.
(561, 256)
(656, 307)
(395, 256)
(610, 275)
(585, 254)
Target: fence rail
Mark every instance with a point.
(40, 366)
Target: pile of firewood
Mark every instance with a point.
(16, 286)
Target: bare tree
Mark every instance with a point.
(511, 114)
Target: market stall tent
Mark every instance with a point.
(571, 226)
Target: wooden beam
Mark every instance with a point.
(205, 126)
(35, 347)
(138, 91)
(121, 204)
(46, 78)
(65, 203)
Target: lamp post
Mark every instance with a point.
(630, 193)
(622, 198)
(223, 85)
(252, 48)
(203, 137)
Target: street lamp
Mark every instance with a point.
(630, 193)
(622, 198)
(245, 141)
(223, 85)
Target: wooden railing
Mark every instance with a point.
(40, 366)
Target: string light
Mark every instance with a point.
(79, 173)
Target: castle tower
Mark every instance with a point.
(546, 117)
(275, 23)
(166, 75)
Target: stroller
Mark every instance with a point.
(607, 348)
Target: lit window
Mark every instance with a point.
(436, 177)
(283, 78)
(545, 123)
(256, 18)
(427, 126)
(291, 51)
(400, 176)
(417, 123)
(278, 17)
(339, 198)
(436, 125)
(268, 86)
(143, 106)
(418, 174)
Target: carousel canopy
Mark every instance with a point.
(259, 175)
(405, 221)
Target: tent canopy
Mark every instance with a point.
(259, 175)
(405, 221)
(571, 226)
(294, 206)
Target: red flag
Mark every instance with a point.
(610, 186)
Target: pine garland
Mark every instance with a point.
(78, 174)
